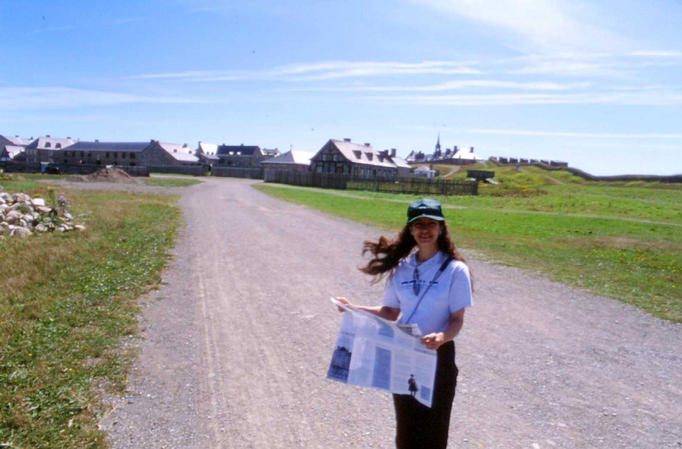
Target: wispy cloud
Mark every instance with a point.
(535, 25)
(614, 98)
(452, 85)
(658, 54)
(66, 97)
(568, 64)
(325, 70)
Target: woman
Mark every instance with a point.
(430, 287)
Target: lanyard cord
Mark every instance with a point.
(435, 278)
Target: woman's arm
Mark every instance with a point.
(387, 313)
(435, 340)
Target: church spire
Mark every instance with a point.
(438, 143)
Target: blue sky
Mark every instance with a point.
(596, 84)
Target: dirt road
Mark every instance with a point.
(237, 342)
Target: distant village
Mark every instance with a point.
(336, 157)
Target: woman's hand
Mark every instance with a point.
(343, 300)
(433, 341)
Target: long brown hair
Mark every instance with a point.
(387, 254)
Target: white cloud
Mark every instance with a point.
(452, 85)
(66, 97)
(536, 25)
(324, 70)
(658, 54)
(653, 98)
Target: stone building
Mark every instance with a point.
(207, 153)
(165, 154)
(47, 149)
(151, 154)
(241, 156)
(12, 153)
(104, 153)
(454, 156)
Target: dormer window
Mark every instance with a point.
(48, 144)
(59, 145)
(369, 156)
(357, 154)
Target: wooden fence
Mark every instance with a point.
(407, 185)
(237, 172)
(419, 186)
(195, 170)
(307, 179)
(76, 169)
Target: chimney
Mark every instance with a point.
(346, 139)
(69, 138)
(184, 145)
(47, 135)
(97, 140)
(393, 151)
(367, 144)
(471, 150)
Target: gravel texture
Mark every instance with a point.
(236, 344)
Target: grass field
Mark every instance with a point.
(171, 182)
(620, 241)
(66, 302)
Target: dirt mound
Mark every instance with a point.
(107, 174)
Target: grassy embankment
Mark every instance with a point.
(622, 241)
(66, 301)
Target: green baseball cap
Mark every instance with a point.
(425, 208)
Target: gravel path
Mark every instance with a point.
(237, 342)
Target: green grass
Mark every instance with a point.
(622, 242)
(171, 182)
(66, 302)
(24, 182)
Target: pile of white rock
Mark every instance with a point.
(21, 216)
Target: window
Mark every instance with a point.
(132, 156)
(123, 155)
(115, 155)
(48, 144)
(107, 155)
(59, 145)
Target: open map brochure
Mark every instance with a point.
(374, 352)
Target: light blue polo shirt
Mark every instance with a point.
(449, 293)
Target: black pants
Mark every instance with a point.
(421, 427)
